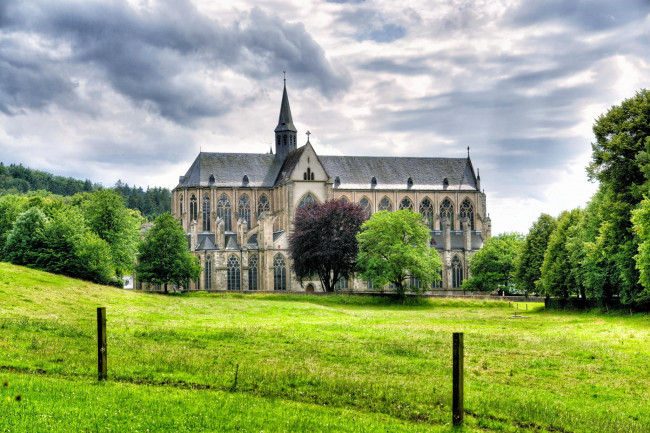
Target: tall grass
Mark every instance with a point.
(361, 356)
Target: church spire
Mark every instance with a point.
(285, 132)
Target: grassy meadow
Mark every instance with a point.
(289, 363)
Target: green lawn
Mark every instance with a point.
(309, 363)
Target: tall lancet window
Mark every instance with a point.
(426, 209)
(367, 207)
(467, 211)
(193, 208)
(180, 205)
(456, 272)
(208, 273)
(447, 210)
(233, 273)
(252, 272)
(245, 210)
(206, 213)
(279, 273)
(224, 212)
(263, 205)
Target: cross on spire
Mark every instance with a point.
(308, 134)
(285, 76)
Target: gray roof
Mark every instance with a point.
(356, 172)
(229, 169)
(206, 242)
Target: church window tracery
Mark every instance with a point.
(263, 205)
(385, 204)
(206, 213)
(252, 272)
(279, 273)
(245, 210)
(437, 284)
(366, 205)
(426, 209)
(406, 203)
(456, 272)
(193, 208)
(467, 211)
(307, 199)
(224, 212)
(208, 273)
(233, 273)
(344, 199)
(447, 210)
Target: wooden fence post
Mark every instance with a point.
(457, 403)
(101, 344)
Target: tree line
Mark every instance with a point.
(19, 180)
(90, 235)
(601, 251)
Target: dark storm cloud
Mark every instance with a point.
(149, 55)
(590, 15)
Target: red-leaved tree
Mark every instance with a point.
(324, 241)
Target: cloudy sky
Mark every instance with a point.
(132, 90)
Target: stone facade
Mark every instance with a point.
(238, 208)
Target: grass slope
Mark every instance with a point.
(308, 363)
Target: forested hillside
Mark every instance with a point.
(20, 180)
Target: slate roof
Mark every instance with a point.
(354, 172)
(229, 169)
(392, 173)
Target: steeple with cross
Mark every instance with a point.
(285, 132)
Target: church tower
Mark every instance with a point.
(285, 132)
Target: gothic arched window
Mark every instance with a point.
(307, 199)
(180, 204)
(252, 272)
(426, 209)
(385, 204)
(284, 139)
(224, 212)
(208, 273)
(263, 205)
(279, 273)
(344, 199)
(447, 210)
(245, 210)
(341, 284)
(365, 204)
(206, 213)
(456, 272)
(406, 203)
(233, 273)
(467, 211)
(437, 284)
(193, 208)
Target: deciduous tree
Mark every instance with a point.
(324, 241)
(394, 247)
(531, 256)
(164, 255)
(492, 267)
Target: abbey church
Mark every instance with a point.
(237, 208)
